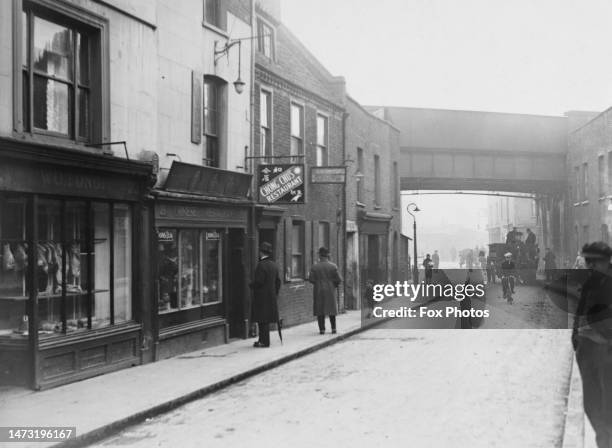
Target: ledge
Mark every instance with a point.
(190, 327)
(88, 335)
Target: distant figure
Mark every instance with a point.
(369, 297)
(550, 264)
(511, 236)
(436, 259)
(482, 262)
(531, 238)
(453, 253)
(325, 278)
(592, 339)
(428, 265)
(579, 263)
(491, 269)
(469, 259)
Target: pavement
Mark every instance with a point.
(578, 430)
(102, 405)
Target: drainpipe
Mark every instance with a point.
(344, 206)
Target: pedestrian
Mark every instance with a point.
(550, 264)
(325, 278)
(482, 261)
(428, 265)
(436, 259)
(592, 340)
(490, 269)
(579, 263)
(469, 259)
(266, 285)
(369, 297)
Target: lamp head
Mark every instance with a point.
(239, 85)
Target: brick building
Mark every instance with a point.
(374, 243)
(589, 164)
(299, 113)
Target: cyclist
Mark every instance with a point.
(508, 273)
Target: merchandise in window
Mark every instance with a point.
(189, 266)
(73, 255)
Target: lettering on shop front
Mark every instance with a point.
(195, 212)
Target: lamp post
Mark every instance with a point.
(415, 265)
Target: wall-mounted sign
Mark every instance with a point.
(327, 174)
(164, 236)
(281, 183)
(212, 236)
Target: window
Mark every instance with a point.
(605, 234)
(322, 154)
(297, 127)
(395, 187)
(265, 117)
(189, 266)
(602, 173)
(265, 39)
(212, 121)
(376, 180)
(61, 82)
(577, 185)
(323, 234)
(610, 173)
(83, 264)
(585, 181)
(360, 175)
(297, 249)
(212, 14)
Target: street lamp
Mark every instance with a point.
(415, 266)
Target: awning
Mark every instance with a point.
(373, 223)
(207, 181)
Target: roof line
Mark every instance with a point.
(468, 110)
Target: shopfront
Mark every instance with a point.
(373, 244)
(70, 289)
(201, 256)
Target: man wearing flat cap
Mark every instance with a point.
(325, 278)
(266, 284)
(592, 340)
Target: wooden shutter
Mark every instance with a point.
(196, 107)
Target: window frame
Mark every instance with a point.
(360, 181)
(301, 224)
(324, 234)
(266, 130)
(299, 138)
(97, 29)
(377, 181)
(601, 181)
(220, 117)
(262, 25)
(322, 147)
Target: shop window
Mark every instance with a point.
(265, 38)
(265, 117)
(75, 245)
(213, 120)
(62, 76)
(322, 141)
(297, 129)
(297, 250)
(189, 267)
(585, 181)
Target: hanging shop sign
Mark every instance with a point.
(328, 174)
(281, 183)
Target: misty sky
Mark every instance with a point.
(519, 56)
(523, 56)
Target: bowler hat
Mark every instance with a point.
(323, 252)
(266, 248)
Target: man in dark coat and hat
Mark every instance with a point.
(325, 278)
(592, 340)
(266, 285)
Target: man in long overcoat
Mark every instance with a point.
(592, 340)
(325, 278)
(266, 285)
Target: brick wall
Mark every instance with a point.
(586, 144)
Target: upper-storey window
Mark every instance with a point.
(265, 114)
(322, 141)
(265, 39)
(213, 120)
(61, 82)
(212, 13)
(297, 129)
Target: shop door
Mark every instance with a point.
(268, 236)
(237, 291)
